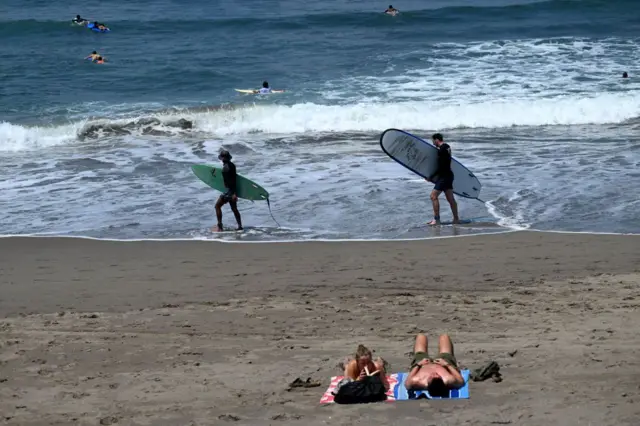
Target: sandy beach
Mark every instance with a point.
(199, 333)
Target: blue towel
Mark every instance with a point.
(401, 393)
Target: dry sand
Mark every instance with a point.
(177, 333)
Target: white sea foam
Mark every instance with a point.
(14, 137)
(375, 117)
(302, 118)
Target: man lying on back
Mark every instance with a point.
(437, 375)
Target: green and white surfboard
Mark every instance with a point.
(246, 188)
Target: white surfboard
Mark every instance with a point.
(252, 92)
(421, 157)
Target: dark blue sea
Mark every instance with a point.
(529, 94)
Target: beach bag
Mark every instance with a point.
(368, 389)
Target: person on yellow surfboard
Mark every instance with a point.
(266, 89)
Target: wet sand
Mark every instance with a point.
(173, 333)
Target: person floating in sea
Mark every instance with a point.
(437, 375)
(100, 26)
(391, 10)
(265, 88)
(230, 196)
(444, 180)
(94, 55)
(96, 58)
(79, 20)
(625, 75)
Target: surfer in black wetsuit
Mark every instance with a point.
(79, 20)
(230, 196)
(443, 180)
(391, 11)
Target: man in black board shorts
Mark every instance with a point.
(444, 180)
(230, 195)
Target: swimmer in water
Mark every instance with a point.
(265, 88)
(94, 55)
(625, 75)
(99, 60)
(391, 10)
(99, 26)
(79, 20)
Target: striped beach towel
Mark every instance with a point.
(398, 392)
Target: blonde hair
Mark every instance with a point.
(363, 351)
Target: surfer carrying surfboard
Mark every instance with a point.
(443, 180)
(230, 196)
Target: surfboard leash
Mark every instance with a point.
(271, 213)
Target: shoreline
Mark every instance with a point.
(318, 240)
(187, 332)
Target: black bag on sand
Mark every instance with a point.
(368, 389)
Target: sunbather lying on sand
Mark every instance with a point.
(437, 375)
(364, 365)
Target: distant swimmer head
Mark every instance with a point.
(224, 155)
(437, 139)
(94, 53)
(390, 6)
(265, 84)
(625, 75)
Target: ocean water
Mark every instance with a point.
(528, 93)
